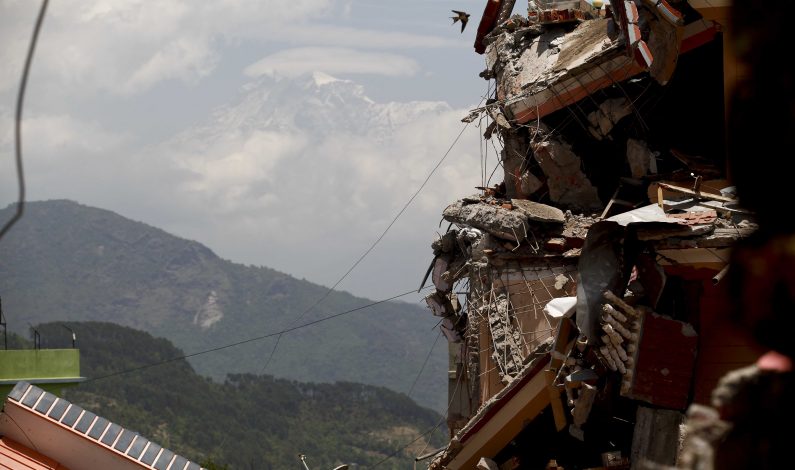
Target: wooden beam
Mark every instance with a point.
(698, 194)
(555, 400)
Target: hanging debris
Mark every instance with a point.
(589, 271)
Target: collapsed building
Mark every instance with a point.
(581, 296)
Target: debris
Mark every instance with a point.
(449, 330)
(486, 464)
(656, 436)
(609, 113)
(651, 276)
(560, 307)
(698, 165)
(664, 42)
(439, 268)
(499, 118)
(529, 184)
(645, 214)
(613, 459)
(557, 245)
(445, 243)
(612, 312)
(600, 269)
(639, 158)
(538, 212)
(582, 408)
(567, 311)
(487, 23)
(567, 184)
(695, 217)
(440, 304)
(506, 353)
(664, 362)
(503, 223)
(698, 194)
(719, 277)
(615, 300)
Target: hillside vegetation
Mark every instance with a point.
(246, 422)
(68, 262)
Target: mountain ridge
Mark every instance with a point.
(69, 262)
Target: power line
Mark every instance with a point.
(430, 351)
(425, 433)
(429, 430)
(246, 341)
(18, 122)
(372, 246)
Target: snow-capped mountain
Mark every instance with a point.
(319, 127)
(294, 157)
(319, 103)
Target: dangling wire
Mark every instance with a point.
(18, 122)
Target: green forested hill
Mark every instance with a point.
(68, 262)
(247, 422)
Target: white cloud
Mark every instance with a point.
(333, 60)
(336, 35)
(50, 136)
(185, 59)
(234, 173)
(311, 197)
(305, 200)
(127, 46)
(63, 156)
(263, 186)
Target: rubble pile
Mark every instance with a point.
(590, 275)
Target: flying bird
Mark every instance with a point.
(460, 15)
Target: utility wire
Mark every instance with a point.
(425, 363)
(372, 246)
(18, 122)
(427, 431)
(20, 211)
(420, 436)
(246, 341)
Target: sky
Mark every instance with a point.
(191, 117)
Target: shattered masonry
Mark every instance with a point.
(581, 295)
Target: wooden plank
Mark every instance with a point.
(555, 400)
(504, 425)
(698, 194)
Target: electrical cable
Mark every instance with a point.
(425, 433)
(32, 444)
(372, 246)
(413, 384)
(429, 430)
(249, 340)
(18, 122)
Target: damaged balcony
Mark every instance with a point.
(581, 297)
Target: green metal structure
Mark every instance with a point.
(50, 369)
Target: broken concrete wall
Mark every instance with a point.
(568, 185)
(581, 76)
(507, 303)
(492, 218)
(586, 109)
